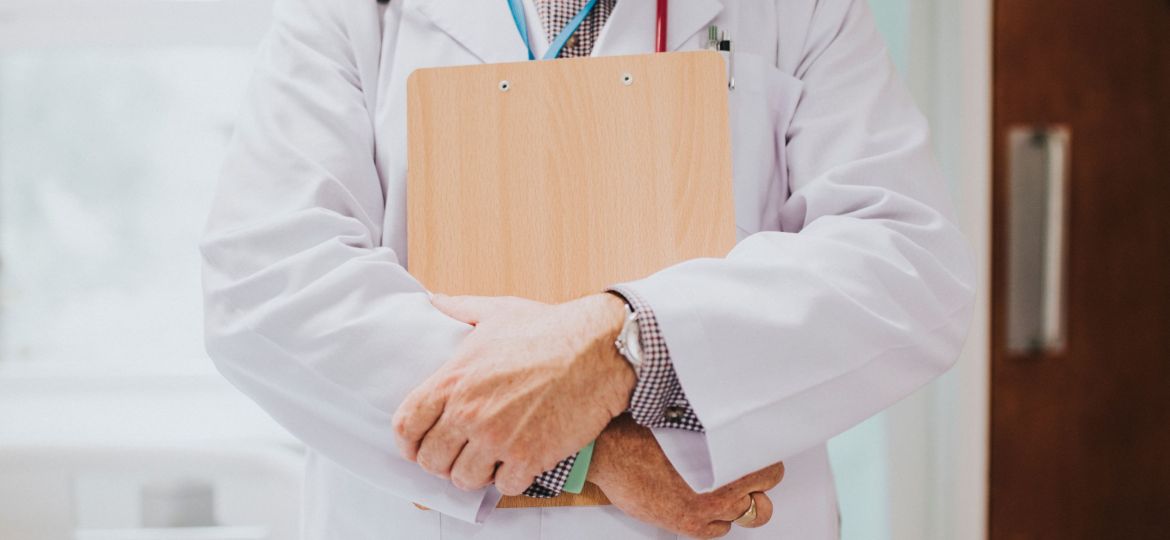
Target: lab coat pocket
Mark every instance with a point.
(761, 107)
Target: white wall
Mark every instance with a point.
(955, 92)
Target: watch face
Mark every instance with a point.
(630, 342)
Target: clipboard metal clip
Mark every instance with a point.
(717, 40)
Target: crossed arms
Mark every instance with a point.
(531, 384)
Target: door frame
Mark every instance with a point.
(950, 77)
(964, 419)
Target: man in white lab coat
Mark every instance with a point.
(849, 288)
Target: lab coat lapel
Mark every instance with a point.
(484, 27)
(630, 29)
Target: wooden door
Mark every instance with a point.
(1080, 435)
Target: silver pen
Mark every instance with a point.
(718, 41)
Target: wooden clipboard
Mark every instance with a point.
(552, 180)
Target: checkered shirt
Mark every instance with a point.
(555, 14)
(658, 399)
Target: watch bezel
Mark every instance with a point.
(629, 340)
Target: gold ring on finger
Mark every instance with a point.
(749, 516)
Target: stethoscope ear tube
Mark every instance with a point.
(660, 26)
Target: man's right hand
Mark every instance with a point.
(630, 467)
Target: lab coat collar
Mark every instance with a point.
(486, 28)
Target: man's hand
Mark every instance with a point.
(529, 386)
(629, 466)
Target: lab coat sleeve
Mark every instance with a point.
(863, 294)
(306, 311)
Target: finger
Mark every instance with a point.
(439, 448)
(414, 418)
(763, 510)
(512, 478)
(763, 479)
(467, 309)
(474, 468)
(736, 509)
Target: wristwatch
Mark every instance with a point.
(629, 340)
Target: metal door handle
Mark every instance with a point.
(1038, 162)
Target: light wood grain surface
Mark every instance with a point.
(584, 173)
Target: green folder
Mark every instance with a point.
(580, 468)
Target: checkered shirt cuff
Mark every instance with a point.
(552, 482)
(658, 399)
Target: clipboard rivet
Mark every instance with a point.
(627, 79)
(505, 86)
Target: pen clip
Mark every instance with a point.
(717, 40)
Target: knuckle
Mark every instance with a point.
(494, 435)
(400, 426)
(448, 383)
(517, 455)
(465, 416)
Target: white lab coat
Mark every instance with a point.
(850, 286)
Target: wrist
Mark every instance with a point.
(617, 378)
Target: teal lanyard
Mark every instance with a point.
(554, 48)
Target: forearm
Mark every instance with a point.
(638, 478)
(613, 445)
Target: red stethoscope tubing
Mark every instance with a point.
(660, 27)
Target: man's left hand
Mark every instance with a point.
(529, 386)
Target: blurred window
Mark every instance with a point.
(110, 145)
(108, 160)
